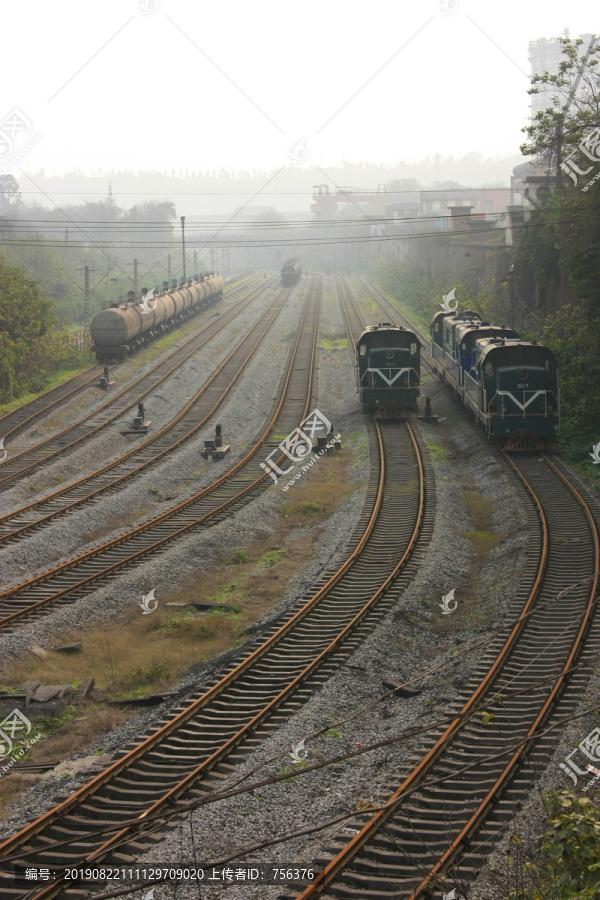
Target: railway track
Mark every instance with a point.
(453, 800)
(114, 475)
(73, 579)
(18, 419)
(215, 730)
(396, 317)
(20, 464)
(15, 421)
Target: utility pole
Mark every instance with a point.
(196, 262)
(183, 244)
(86, 302)
(212, 260)
(135, 274)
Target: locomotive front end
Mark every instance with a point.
(389, 369)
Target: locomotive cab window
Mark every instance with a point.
(363, 349)
(413, 349)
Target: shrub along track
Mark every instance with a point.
(216, 729)
(455, 797)
(114, 475)
(71, 580)
(21, 464)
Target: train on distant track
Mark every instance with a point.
(388, 359)
(509, 385)
(290, 272)
(126, 327)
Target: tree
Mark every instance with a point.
(568, 219)
(573, 110)
(29, 347)
(9, 192)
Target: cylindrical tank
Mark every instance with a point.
(115, 327)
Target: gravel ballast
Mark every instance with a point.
(412, 638)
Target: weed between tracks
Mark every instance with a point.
(147, 653)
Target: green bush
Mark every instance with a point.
(569, 868)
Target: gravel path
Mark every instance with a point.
(412, 638)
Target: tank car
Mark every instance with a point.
(124, 328)
(509, 385)
(291, 272)
(388, 369)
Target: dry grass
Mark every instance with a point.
(147, 653)
(483, 540)
(10, 788)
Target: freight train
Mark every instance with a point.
(125, 327)
(291, 272)
(509, 385)
(388, 359)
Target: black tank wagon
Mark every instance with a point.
(291, 272)
(124, 328)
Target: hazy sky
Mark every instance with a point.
(189, 85)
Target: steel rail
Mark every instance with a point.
(466, 832)
(308, 370)
(13, 468)
(10, 535)
(396, 316)
(350, 312)
(10, 598)
(333, 634)
(14, 421)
